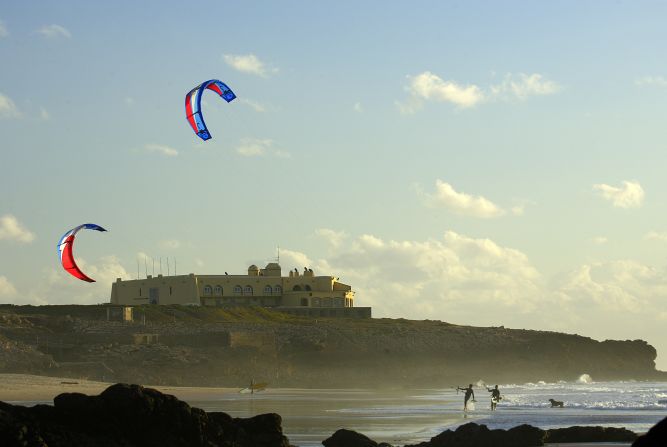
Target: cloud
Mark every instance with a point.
(522, 86)
(11, 229)
(428, 86)
(257, 107)
(170, 244)
(256, 147)
(599, 240)
(334, 238)
(54, 31)
(652, 81)
(7, 289)
(357, 107)
(44, 114)
(7, 108)
(629, 195)
(248, 63)
(162, 149)
(656, 236)
(4, 32)
(462, 203)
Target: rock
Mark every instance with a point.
(131, 415)
(655, 437)
(589, 434)
(474, 435)
(348, 438)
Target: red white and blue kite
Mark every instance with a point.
(65, 246)
(193, 105)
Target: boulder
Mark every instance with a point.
(475, 435)
(655, 437)
(589, 434)
(348, 438)
(131, 415)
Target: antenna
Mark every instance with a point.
(160, 265)
(137, 268)
(153, 266)
(146, 266)
(174, 265)
(168, 271)
(278, 257)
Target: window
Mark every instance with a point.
(169, 290)
(296, 288)
(208, 290)
(218, 290)
(308, 288)
(247, 290)
(139, 291)
(304, 301)
(238, 290)
(278, 290)
(268, 290)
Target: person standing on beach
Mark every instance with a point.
(466, 398)
(495, 396)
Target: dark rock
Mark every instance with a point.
(589, 434)
(348, 438)
(474, 435)
(655, 437)
(131, 415)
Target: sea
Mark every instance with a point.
(411, 416)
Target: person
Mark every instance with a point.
(469, 392)
(495, 396)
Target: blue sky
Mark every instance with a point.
(484, 163)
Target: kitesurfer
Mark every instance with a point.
(495, 396)
(469, 392)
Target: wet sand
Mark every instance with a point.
(309, 416)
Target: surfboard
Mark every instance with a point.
(254, 388)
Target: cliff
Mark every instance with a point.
(180, 345)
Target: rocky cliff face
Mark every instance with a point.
(216, 347)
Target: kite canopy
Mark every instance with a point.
(193, 105)
(65, 246)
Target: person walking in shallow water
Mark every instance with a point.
(495, 396)
(466, 398)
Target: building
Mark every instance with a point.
(298, 293)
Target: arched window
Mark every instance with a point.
(308, 288)
(218, 290)
(297, 288)
(247, 290)
(238, 290)
(268, 290)
(208, 290)
(278, 290)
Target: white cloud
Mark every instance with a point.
(523, 85)
(629, 195)
(334, 238)
(600, 240)
(7, 108)
(248, 63)
(257, 147)
(4, 32)
(44, 114)
(170, 244)
(656, 236)
(162, 149)
(462, 203)
(54, 31)
(357, 107)
(656, 81)
(257, 107)
(7, 289)
(12, 229)
(428, 86)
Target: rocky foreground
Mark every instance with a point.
(131, 415)
(208, 346)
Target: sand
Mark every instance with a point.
(26, 388)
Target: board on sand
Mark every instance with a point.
(471, 405)
(253, 388)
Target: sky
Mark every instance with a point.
(476, 162)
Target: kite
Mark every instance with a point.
(65, 246)
(193, 105)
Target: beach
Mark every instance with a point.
(397, 416)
